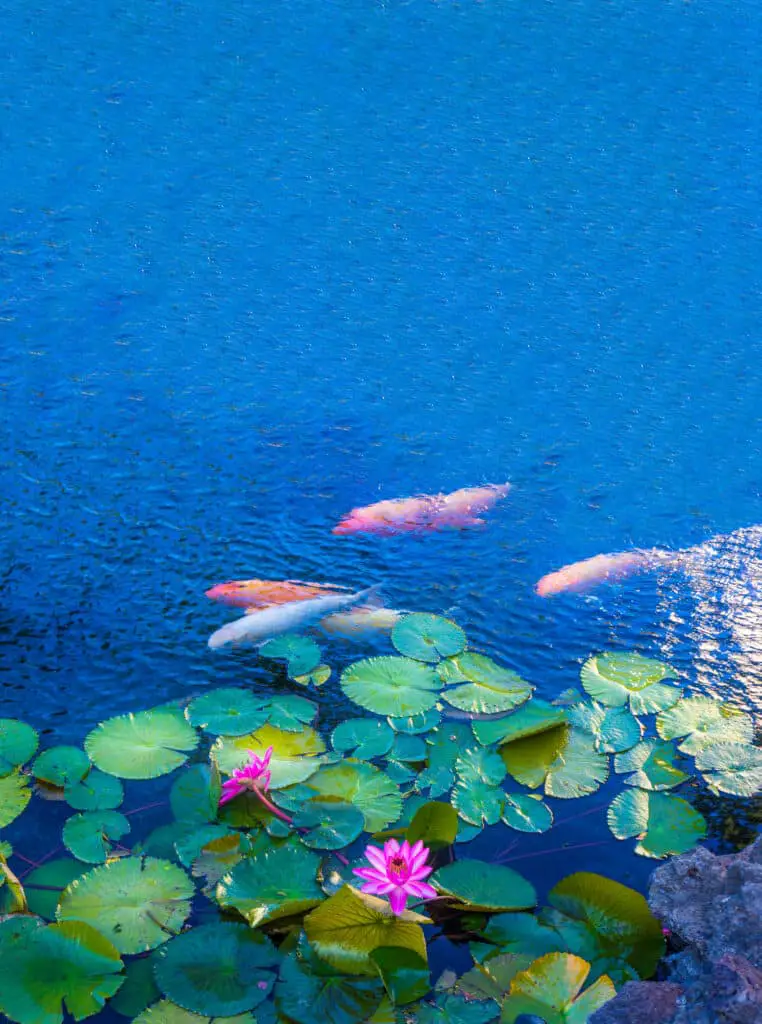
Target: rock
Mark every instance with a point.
(713, 907)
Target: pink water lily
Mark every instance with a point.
(397, 872)
(255, 775)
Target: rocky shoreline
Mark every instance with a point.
(712, 906)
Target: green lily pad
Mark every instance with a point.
(414, 725)
(435, 824)
(44, 885)
(14, 796)
(491, 688)
(142, 746)
(615, 729)
(445, 744)
(218, 969)
(365, 737)
(293, 758)
(618, 919)
(89, 836)
(44, 968)
(391, 686)
(309, 990)
(61, 766)
(564, 759)
(517, 933)
(300, 652)
(219, 856)
(653, 766)
(492, 978)
(405, 974)
(526, 813)
(136, 902)
(139, 989)
(702, 722)
(291, 713)
(167, 1012)
(477, 802)
(453, 1008)
(330, 823)
(195, 794)
(467, 832)
(18, 743)
(363, 785)
(96, 792)
(665, 825)
(550, 989)
(349, 926)
(614, 679)
(480, 885)
(319, 676)
(479, 764)
(531, 718)
(731, 768)
(190, 845)
(274, 884)
(409, 749)
(428, 637)
(228, 712)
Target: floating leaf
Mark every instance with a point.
(275, 884)
(614, 729)
(309, 990)
(218, 969)
(492, 688)
(45, 884)
(526, 813)
(18, 743)
(416, 724)
(730, 768)
(517, 933)
(702, 722)
(167, 1012)
(363, 785)
(653, 765)
(365, 737)
(219, 856)
(89, 836)
(96, 792)
(391, 686)
(492, 979)
(666, 825)
(467, 832)
(139, 989)
(564, 759)
(479, 765)
(318, 676)
(44, 968)
(456, 1009)
(428, 637)
(291, 713)
(445, 744)
(195, 794)
(228, 712)
(435, 824)
(618, 918)
(136, 902)
(190, 845)
(301, 653)
(480, 885)
(142, 746)
(550, 989)
(293, 753)
(405, 974)
(14, 796)
(411, 749)
(614, 679)
(330, 823)
(346, 929)
(61, 766)
(477, 802)
(534, 717)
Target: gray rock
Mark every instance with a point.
(641, 1002)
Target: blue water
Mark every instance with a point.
(265, 262)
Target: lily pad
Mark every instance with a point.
(319, 676)
(228, 712)
(415, 725)
(278, 883)
(167, 1012)
(363, 785)
(453, 1008)
(14, 796)
(291, 713)
(731, 768)
(61, 766)
(517, 933)
(219, 856)
(142, 746)
(18, 743)
(550, 989)
(491, 688)
(44, 969)
(136, 902)
(89, 836)
(526, 813)
(564, 759)
(531, 718)
(365, 737)
(301, 653)
(349, 926)
(428, 637)
(408, 749)
(480, 765)
(195, 794)
(445, 744)
(665, 825)
(435, 824)
(614, 729)
(702, 722)
(46, 883)
(292, 759)
(653, 766)
(139, 989)
(309, 990)
(480, 885)
(218, 969)
(477, 802)
(330, 823)
(614, 679)
(96, 792)
(391, 686)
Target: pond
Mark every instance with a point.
(266, 264)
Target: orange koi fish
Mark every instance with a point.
(264, 593)
(456, 511)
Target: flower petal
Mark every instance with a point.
(419, 873)
(418, 857)
(372, 874)
(397, 899)
(421, 890)
(376, 857)
(391, 848)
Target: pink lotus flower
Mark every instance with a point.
(253, 776)
(397, 872)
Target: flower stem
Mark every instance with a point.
(272, 808)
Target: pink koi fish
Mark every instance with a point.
(456, 511)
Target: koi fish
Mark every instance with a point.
(291, 617)
(361, 622)
(582, 576)
(455, 511)
(262, 593)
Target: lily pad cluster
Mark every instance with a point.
(251, 909)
